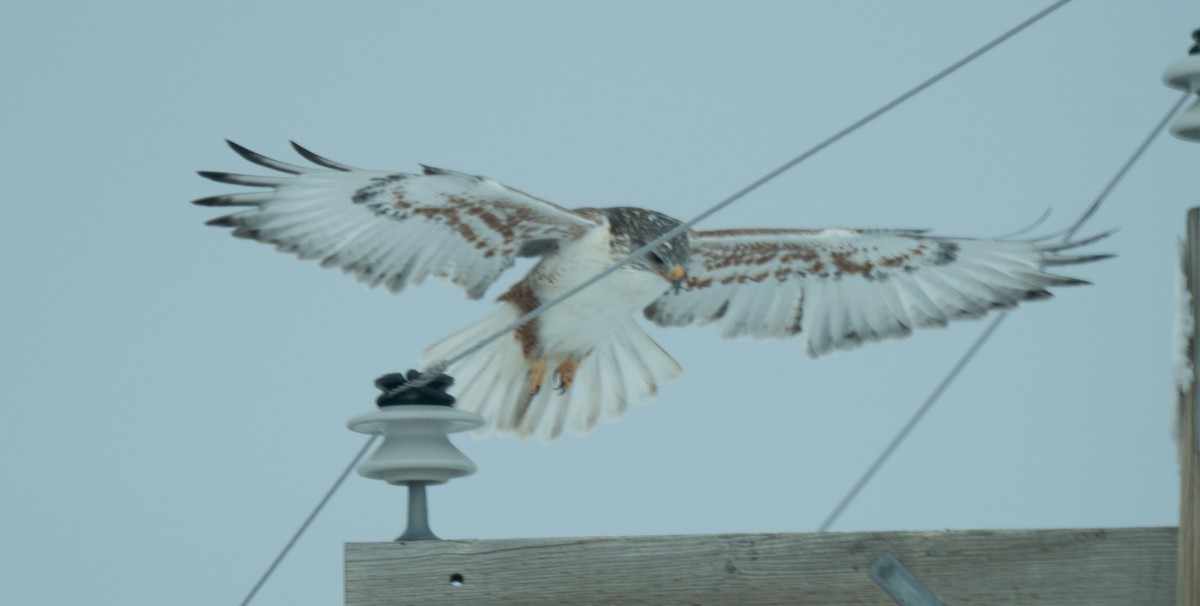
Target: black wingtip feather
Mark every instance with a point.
(225, 221)
(248, 234)
(224, 200)
(318, 160)
(236, 179)
(239, 199)
(262, 160)
(1076, 259)
(1080, 242)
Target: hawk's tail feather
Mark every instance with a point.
(487, 383)
(494, 382)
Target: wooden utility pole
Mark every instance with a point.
(1079, 567)
(1188, 581)
(1184, 75)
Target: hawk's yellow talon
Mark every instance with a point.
(537, 374)
(566, 374)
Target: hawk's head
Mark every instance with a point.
(633, 228)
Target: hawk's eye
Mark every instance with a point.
(657, 260)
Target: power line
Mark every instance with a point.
(442, 365)
(912, 422)
(316, 510)
(1091, 210)
(987, 332)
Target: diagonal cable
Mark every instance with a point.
(444, 364)
(987, 332)
(304, 526)
(1091, 210)
(908, 427)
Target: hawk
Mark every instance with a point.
(587, 358)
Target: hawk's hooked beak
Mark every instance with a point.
(675, 276)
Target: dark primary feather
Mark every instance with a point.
(236, 179)
(319, 160)
(262, 160)
(433, 170)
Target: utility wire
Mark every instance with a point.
(912, 422)
(1087, 214)
(316, 510)
(987, 332)
(441, 366)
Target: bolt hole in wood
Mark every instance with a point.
(456, 580)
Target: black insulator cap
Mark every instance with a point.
(1195, 50)
(399, 388)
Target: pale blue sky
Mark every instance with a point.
(172, 400)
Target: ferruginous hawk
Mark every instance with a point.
(585, 359)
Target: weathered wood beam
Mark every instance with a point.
(1188, 579)
(1092, 567)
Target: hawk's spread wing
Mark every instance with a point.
(393, 228)
(842, 286)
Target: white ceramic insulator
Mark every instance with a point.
(416, 446)
(1184, 74)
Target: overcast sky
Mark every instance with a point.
(173, 400)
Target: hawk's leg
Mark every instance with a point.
(537, 374)
(566, 374)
